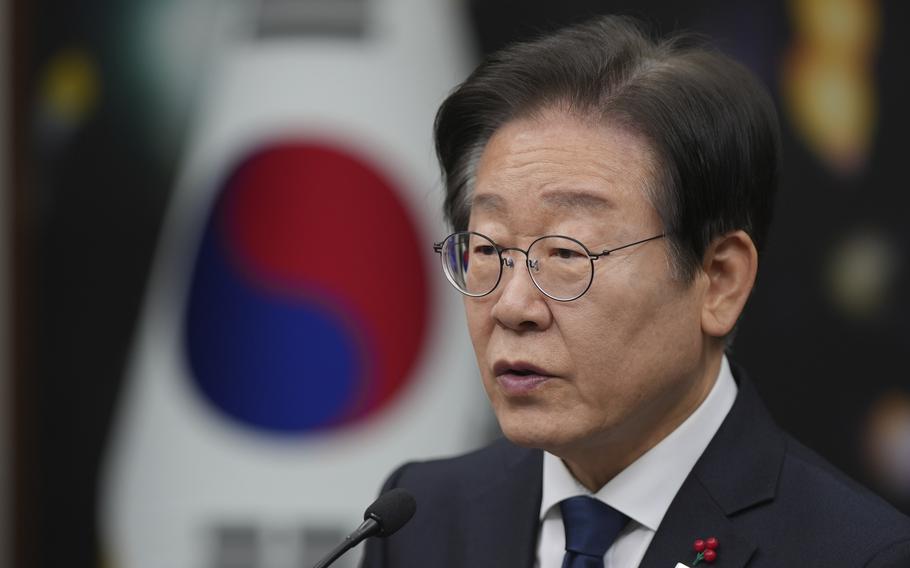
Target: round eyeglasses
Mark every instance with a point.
(561, 267)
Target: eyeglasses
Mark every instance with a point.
(561, 267)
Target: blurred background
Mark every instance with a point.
(222, 324)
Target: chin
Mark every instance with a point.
(532, 429)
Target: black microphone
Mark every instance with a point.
(383, 518)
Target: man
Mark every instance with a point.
(610, 195)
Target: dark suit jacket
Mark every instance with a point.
(770, 501)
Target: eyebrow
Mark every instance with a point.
(561, 199)
(488, 201)
(578, 200)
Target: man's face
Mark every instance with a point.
(619, 365)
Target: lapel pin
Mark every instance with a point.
(706, 550)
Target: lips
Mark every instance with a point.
(518, 378)
(517, 368)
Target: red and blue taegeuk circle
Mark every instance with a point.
(309, 301)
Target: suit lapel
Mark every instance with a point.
(505, 513)
(694, 514)
(738, 470)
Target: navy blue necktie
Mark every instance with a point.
(591, 527)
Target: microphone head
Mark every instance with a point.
(392, 511)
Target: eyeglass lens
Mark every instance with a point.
(559, 266)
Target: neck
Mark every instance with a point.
(597, 463)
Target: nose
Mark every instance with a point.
(509, 262)
(519, 305)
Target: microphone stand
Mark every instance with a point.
(367, 528)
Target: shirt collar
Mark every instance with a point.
(644, 490)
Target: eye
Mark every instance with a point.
(566, 254)
(485, 250)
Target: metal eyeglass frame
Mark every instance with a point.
(437, 247)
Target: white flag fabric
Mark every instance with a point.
(298, 340)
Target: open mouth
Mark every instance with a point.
(518, 370)
(519, 379)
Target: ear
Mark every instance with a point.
(730, 264)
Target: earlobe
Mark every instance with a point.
(730, 265)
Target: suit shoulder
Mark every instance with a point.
(827, 504)
(462, 499)
(471, 467)
(806, 471)
(443, 484)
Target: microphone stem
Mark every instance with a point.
(369, 527)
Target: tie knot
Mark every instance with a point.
(591, 525)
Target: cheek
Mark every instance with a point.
(604, 316)
(632, 329)
(477, 315)
(480, 328)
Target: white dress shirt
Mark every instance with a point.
(643, 491)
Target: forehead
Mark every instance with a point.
(564, 165)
